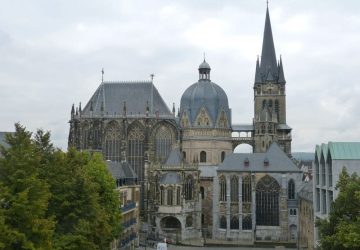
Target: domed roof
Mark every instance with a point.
(204, 65)
(204, 94)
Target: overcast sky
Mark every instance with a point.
(52, 52)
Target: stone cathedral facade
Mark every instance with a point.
(193, 186)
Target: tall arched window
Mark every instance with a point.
(222, 183)
(163, 141)
(247, 223)
(270, 103)
(202, 156)
(263, 104)
(202, 192)
(291, 189)
(169, 196)
(234, 191)
(178, 196)
(189, 188)
(136, 150)
(277, 106)
(246, 189)
(162, 195)
(267, 202)
(234, 223)
(223, 222)
(112, 149)
(222, 156)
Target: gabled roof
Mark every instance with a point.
(174, 158)
(277, 158)
(121, 170)
(170, 178)
(111, 96)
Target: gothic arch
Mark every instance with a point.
(222, 120)
(291, 189)
(234, 190)
(163, 136)
(267, 202)
(222, 188)
(203, 118)
(189, 187)
(136, 148)
(112, 141)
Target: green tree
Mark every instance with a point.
(55, 200)
(23, 196)
(342, 229)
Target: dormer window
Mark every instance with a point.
(246, 162)
(266, 162)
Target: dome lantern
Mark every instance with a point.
(204, 71)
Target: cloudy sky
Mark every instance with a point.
(52, 52)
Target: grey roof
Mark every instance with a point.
(120, 170)
(174, 158)
(277, 158)
(204, 65)
(303, 156)
(242, 127)
(284, 127)
(208, 171)
(110, 96)
(307, 191)
(269, 70)
(207, 94)
(170, 178)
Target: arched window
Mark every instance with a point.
(184, 155)
(234, 191)
(202, 156)
(170, 196)
(189, 188)
(234, 223)
(267, 202)
(270, 103)
(189, 221)
(222, 156)
(112, 149)
(136, 150)
(178, 196)
(202, 219)
(247, 223)
(263, 104)
(162, 195)
(291, 189)
(246, 189)
(222, 183)
(277, 106)
(202, 192)
(223, 222)
(163, 142)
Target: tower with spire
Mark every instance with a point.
(269, 97)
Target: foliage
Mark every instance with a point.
(55, 200)
(342, 229)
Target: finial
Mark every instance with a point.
(204, 56)
(152, 77)
(102, 75)
(267, 3)
(124, 108)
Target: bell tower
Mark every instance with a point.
(270, 97)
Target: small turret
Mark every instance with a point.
(72, 111)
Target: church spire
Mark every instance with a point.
(281, 73)
(268, 56)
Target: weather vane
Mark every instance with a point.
(152, 77)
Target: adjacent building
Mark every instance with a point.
(129, 195)
(330, 159)
(306, 217)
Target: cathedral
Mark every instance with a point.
(194, 188)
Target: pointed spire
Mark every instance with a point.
(173, 109)
(257, 71)
(268, 56)
(281, 73)
(72, 110)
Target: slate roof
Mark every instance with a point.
(207, 94)
(306, 192)
(278, 161)
(339, 150)
(242, 127)
(170, 178)
(208, 171)
(121, 170)
(174, 158)
(137, 95)
(269, 69)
